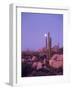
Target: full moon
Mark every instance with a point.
(45, 35)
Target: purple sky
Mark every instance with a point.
(35, 25)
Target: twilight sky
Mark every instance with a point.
(35, 25)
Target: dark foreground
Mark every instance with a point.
(29, 71)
